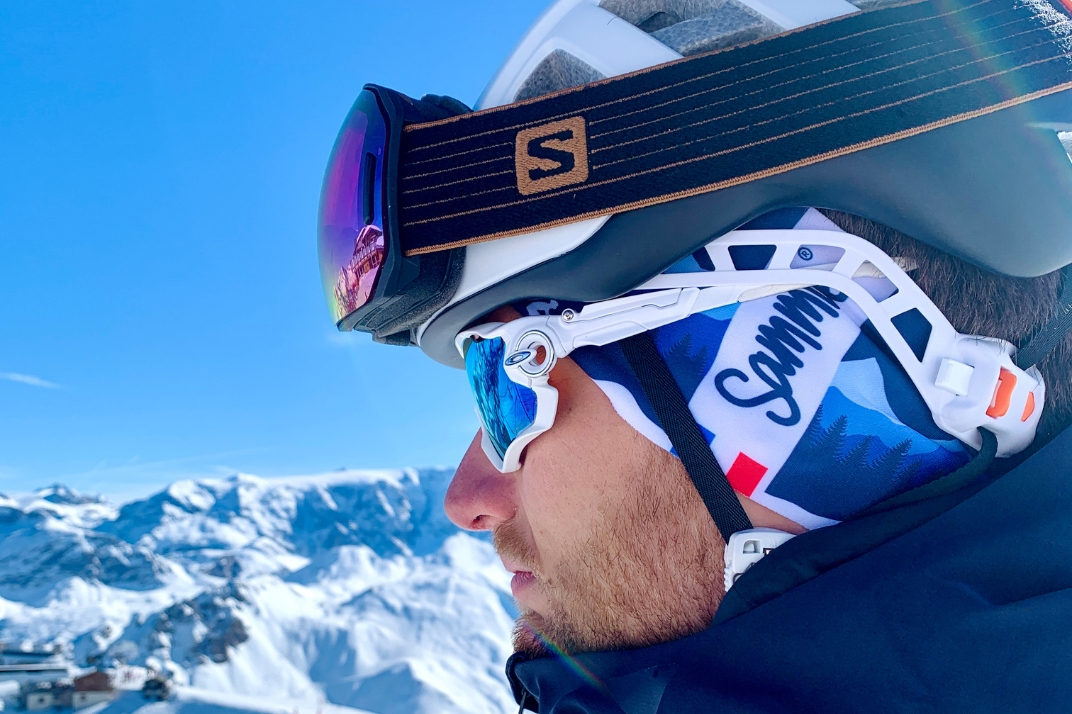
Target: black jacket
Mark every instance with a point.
(959, 603)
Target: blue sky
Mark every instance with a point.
(160, 309)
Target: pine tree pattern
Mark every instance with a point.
(690, 346)
(688, 369)
(834, 475)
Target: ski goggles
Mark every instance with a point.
(406, 188)
(968, 382)
(369, 281)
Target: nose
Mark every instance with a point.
(480, 498)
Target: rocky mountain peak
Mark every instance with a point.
(324, 588)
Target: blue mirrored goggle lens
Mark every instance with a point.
(506, 407)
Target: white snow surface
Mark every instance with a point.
(314, 594)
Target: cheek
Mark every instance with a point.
(573, 474)
(555, 491)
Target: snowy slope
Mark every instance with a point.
(348, 589)
(189, 700)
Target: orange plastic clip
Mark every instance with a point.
(1029, 408)
(999, 405)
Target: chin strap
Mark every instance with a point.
(680, 425)
(1049, 335)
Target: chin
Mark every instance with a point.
(526, 640)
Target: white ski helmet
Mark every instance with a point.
(968, 187)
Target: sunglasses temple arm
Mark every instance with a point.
(611, 321)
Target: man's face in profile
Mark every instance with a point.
(610, 544)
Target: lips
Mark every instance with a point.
(521, 581)
(522, 578)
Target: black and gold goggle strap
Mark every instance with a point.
(727, 118)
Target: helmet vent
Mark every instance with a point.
(875, 282)
(692, 27)
(558, 70)
(817, 257)
(652, 15)
(732, 24)
(659, 21)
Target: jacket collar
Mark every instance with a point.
(633, 681)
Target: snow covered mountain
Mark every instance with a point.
(343, 590)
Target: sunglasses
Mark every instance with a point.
(508, 366)
(967, 381)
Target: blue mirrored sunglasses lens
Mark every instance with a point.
(506, 407)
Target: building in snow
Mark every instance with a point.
(62, 693)
(36, 696)
(92, 688)
(27, 653)
(26, 662)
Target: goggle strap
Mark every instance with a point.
(680, 426)
(723, 119)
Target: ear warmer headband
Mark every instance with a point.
(803, 405)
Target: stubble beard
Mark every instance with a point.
(650, 572)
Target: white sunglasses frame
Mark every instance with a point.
(967, 381)
(527, 373)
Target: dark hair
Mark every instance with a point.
(979, 302)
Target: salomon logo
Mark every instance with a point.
(551, 156)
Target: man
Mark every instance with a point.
(743, 455)
(583, 522)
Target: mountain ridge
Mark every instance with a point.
(349, 588)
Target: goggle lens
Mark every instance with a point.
(506, 408)
(350, 231)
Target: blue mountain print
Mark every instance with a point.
(852, 457)
(689, 347)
